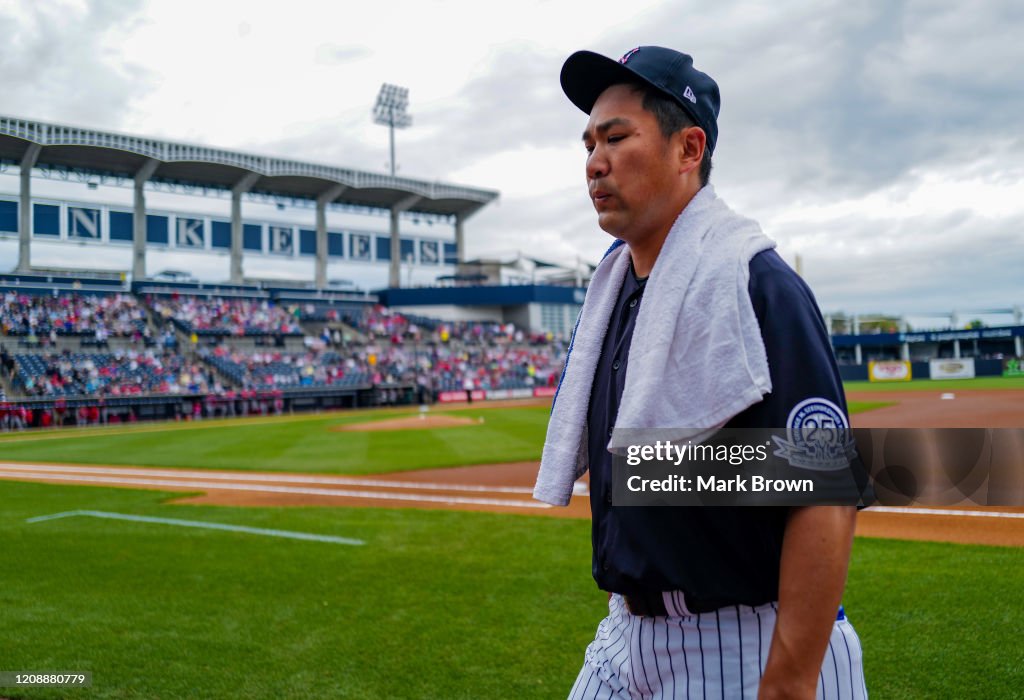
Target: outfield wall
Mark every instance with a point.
(927, 370)
(59, 411)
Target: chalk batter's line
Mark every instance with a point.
(198, 523)
(199, 485)
(283, 478)
(942, 511)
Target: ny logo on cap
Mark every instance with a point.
(688, 94)
(626, 56)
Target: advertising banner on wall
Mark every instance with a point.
(889, 371)
(488, 395)
(1013, 367)
(962, 368)
(452, 396)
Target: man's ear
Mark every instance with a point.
(690, 145)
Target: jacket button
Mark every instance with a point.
(615, 365)
(632, 303)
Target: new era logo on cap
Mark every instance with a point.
(626, 56)
(688, 94)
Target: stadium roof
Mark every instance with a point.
(85, 150)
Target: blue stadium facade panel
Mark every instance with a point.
(335, 244)
(408, 250)
(252, 237)
(122, 225)
(157, 228)
(220, 234)
(482, 296)
(307, 242)
(46, 220)
(8, 216)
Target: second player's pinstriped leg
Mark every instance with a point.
(842, 671)
(589, 687)
(663, 657)
(603, 676)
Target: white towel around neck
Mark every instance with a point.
(696, 358)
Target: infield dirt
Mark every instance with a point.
(507, 487)
(969, 408)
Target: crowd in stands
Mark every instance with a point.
(280, 370)
(379, 322)
(395, 348)
(231, 317)
(438, 367)
(95, 316)
(499, 367)
(121, 373)
(327, 313)
(352, 347)
(19, 417)
(7, 363)
(434, 368)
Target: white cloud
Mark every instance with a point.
(878, 140)
(530, 171)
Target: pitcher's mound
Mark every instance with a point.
(420, 422)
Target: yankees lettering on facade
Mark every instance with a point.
(715, 484)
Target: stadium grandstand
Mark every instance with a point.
(71, 354)
(279, 288)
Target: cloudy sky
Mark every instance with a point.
(880, 141)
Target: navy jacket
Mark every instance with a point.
(729, 554)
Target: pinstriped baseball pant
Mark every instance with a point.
(718, 655)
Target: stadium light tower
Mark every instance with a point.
(392, 102)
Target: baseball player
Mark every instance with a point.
(725, 602)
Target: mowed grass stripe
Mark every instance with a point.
(211, 423)
(335, 417)
(862, 406)
(309, 445)
(506, 435)
(984, 383)
(438, 604)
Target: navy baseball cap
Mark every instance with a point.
(585, 75)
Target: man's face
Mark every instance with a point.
(632, 171)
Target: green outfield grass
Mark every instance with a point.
(938, 620)
(436, 604)
(861, 406)
(302, 443)
(939, 384)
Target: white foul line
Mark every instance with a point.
(198, 523)
(944, 511)
(283, 478)
(200, 485)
